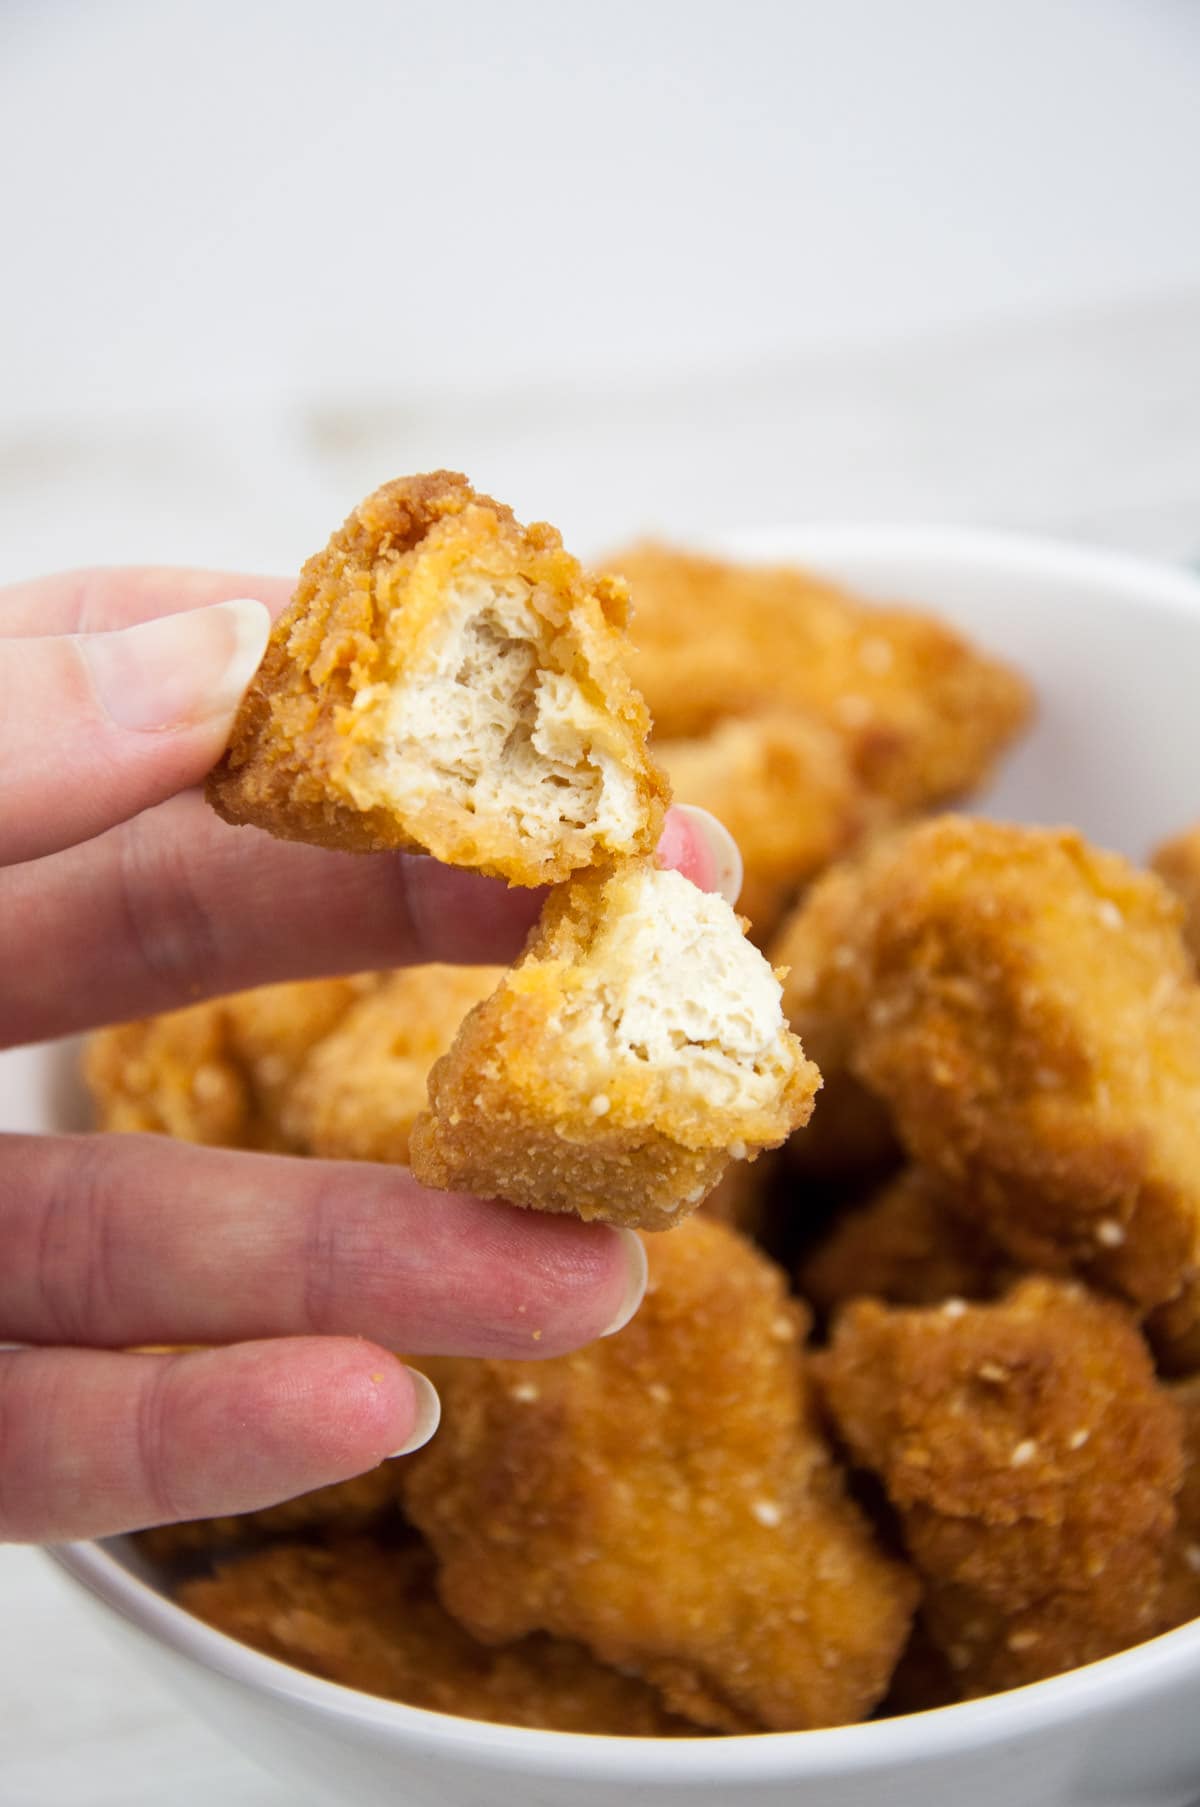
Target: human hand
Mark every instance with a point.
(121, 895)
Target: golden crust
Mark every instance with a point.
(308, 758)
(906, 1245)
(1026, 1008)
(340, 1508)
(1181, 1585)
(1033, 1462)
(218, 1072)
(364, 1084)
(782, 785)
(550, 1098)
(1177, 863)
(666, 1497)
(367, 1616)
(920, 713)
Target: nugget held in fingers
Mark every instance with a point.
(334, 1511)
(667, 1498)
(366, 1615)
(921, 714)
(449, 680)
(1033, 1461)
(1025, 1006)
(635, 1049)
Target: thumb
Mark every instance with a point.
(94, 728)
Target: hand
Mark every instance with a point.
(121, 895)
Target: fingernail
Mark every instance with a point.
(429, 1413)
(178, 671)
(721, 865)
(635, 1286)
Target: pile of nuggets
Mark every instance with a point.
(911, 1411)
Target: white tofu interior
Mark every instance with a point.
(478, 722)
(672, 980)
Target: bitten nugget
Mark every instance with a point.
(921, 714)
(447, 679)
(1033, 1462)
(1027, 1009)
(366, 1615)
(343, 1506)
(782, 785)
(905, 1245)
(363, 1086)
(636, 1047)
(666, 1497)
(1177, 863)
(217, 1072)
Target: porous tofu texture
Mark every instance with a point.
(448, 679)
(636, 1048)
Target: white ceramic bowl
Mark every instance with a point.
(1114, 646)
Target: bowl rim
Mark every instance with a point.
(1110, 1684)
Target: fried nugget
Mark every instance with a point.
(666, 1497)
(782, 785)
(636, 1047)
(363, 1086)
(1027, 1009)
(217, 1072)
(1181, 1587)
(1032, 1460)
(342, 1507)
(448, 680)
(921, 714)
(905, 1245)
(366, 1615)
(1177, 863)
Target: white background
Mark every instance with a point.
(680, 266)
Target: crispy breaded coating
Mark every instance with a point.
(340, 1508)
(366, 1615)
(905, 1245)
(217, 1072)
(1027, 1009)
(1177, 863)
(635, 1049)
(666, 1497)
(782, 785)
(363, 1086)
(921, 714)
(1181, 1586)
(446, 679)
(1033, 1462)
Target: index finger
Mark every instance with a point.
(99, 600)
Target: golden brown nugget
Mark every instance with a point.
(448, 680)
(907, 1246)
(635, 1049)
(217, 1072)
(1033, 1462)
(1028, 1011)
(851, 1136)
(782, 785)
(1177, 863)
(363, 1086)
(366, 1615)
(344, 1506)
(1181, 1587)
(922, 715)
(666, 1497)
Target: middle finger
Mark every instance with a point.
(117, 1240)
